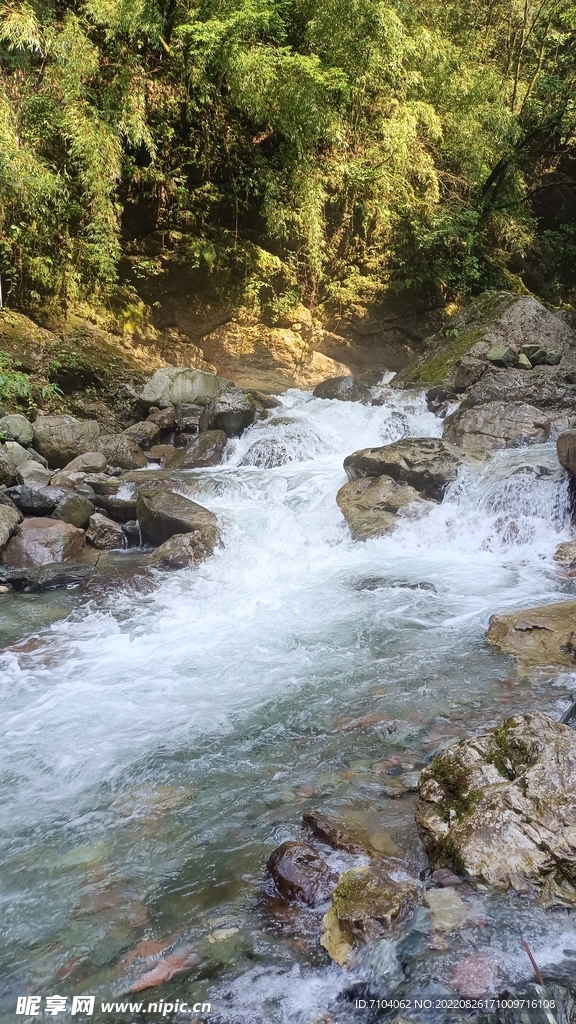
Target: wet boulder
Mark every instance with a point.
(344, 389)
(32, 474)
(367, 903)
(9, 519)
(7, 467)
(74, 509)
(565, 555)
(204, 450)
(371, 505)
(61, 438)
(42, 541)
(426, 463)
(17, 428)
(566, 449)
(502, 807)
(300, 874)
(232, 412)
(187, 549)
(36, 501)
(160, 452)
(187, 417)
(145, 433)
(162, 514)
(172, 386)
(542, 636)
(122, 450)
(104, 533)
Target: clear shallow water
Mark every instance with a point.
(157, 746)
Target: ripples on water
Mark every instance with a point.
(158, 746)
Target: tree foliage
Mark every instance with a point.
(357, 144)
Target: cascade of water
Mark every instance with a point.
(287, 625)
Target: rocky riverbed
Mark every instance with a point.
(321, 762)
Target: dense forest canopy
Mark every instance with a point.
(332, 147)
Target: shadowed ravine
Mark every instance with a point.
(159, 745)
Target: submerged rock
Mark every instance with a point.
(344, 389)
(48, 577)
(205, 450)
(371, 505)
(162, 514)
(61, 438)
(42, 541)
(537, 636)
(425, 463)
(502, 807)
(367, 903)
(299, 873)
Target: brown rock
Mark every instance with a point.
(371, 505)
(9, 519)
(145, 433)
(565, 554)
(205, 450)
(344, 389)
(537, 636)
(88, 462)
(160, 452)
(165, 419)
(187, 549)
(122, 450)
(42, 541)
(105, 534)
(61, 438)
(299, 873)
(566, 448)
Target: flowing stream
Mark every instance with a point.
(158, 745)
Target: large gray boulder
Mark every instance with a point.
(9, 519)
(344, 389)
(75, 509)
(425, 463)
(232, 411)
(204, 450)
(502, 807)
(162, 514)
(17, 428)
(122, 450)
(61, 438)
(42, 541)
(172, 385)
(33, 474)
(19, 454)
(88, 462)
(371, 505)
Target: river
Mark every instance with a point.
(158, 745)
